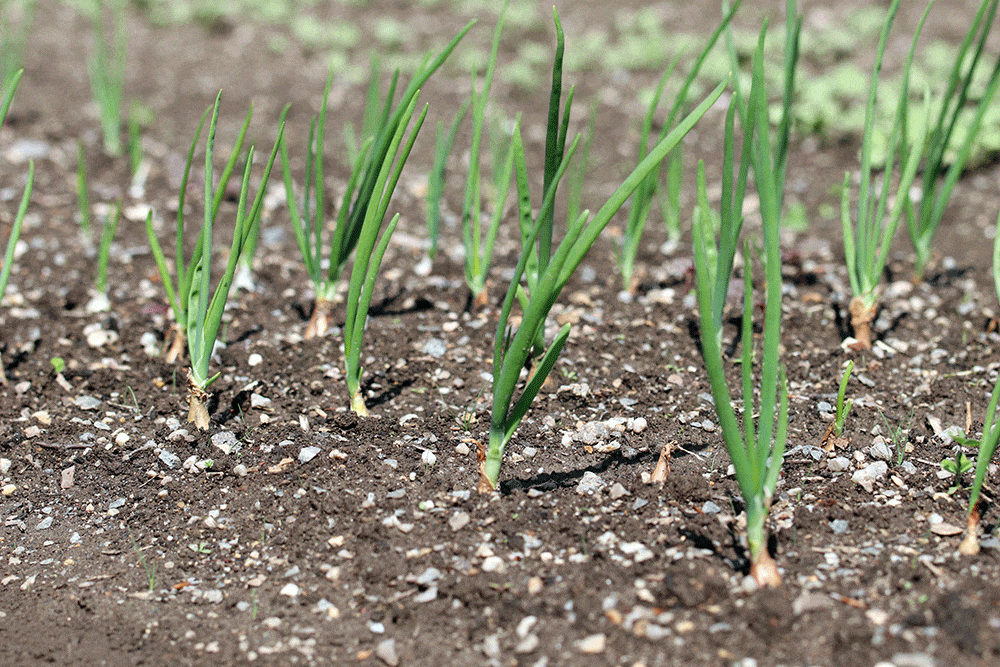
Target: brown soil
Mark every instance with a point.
(128, 540)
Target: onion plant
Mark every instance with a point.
(309, 219)
(793, 30)
(197, 310)
(479, 250)
(868, 236)
(642, 199)
(987, 444)
(939, 178)
(106, 68)
(513, 349)
(757, 449)
(368, 257)
(444, 142)
(108, 230)
(22, 209)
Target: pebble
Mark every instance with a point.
(589, 483)
(838, 464)
(527, 645)
(86, 402)
(710, 508)
(496, 564)
(44, 524)
(226, 442)
(866, 477)
(427, 596)
(289, 590)
(428, 458)
(617, 491)
(592, 644)
(435, 347)
(459, 520)
(880, 450)
(386, 652)
(307, 454)
(429, 576)
(838, 526)
(255, 359)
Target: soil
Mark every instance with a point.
(293, 532)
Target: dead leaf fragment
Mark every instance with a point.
(282, 465)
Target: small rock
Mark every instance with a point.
(866, 477)
(617, 491)
(527, 645)
(589, 484)
(428, 458)
(838, 526)
(386, 652)
(67, 477)
(255, 359)
(710, 508)
(593, 644)
(838, 464)
(435, 347)
(913, 660)
(880, 450)
(289, 590)
(945, 529)
(307, 454)
(169, 459)
(226, 442)
(427, 596)
(459, 520)
(494, 564)
(86, 402)
(44, 524)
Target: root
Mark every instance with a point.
(862, 317)
(765, 571)
(358, 405)
(197, 405)
(319, 323)
(970, 543)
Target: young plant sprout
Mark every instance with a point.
(444, 143)
(938, 178)
(479, 251)
(368, 258)
(309, 219)
(22, 209)
(868, 236)
(513, 349)
(757, 449)
(842, 408)
(106, 67)
(198, 313)
(642, 199)
(104, 249)
(987, 444)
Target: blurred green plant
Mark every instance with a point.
(16, 20)
(955, 126)
(106, 68)
(22, 209)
